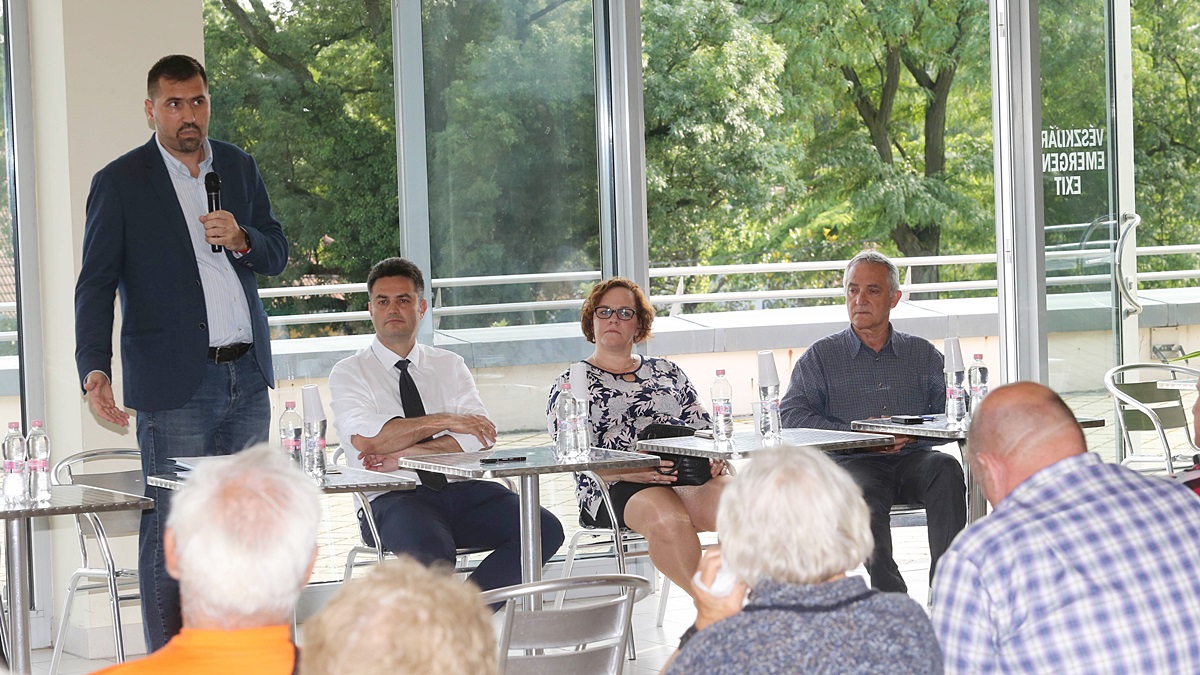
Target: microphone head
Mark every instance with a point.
(212, 182)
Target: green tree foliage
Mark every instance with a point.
(511, 132)
(307, 89)
(776, 130)
(873, 82)
(714, 145)
(1166, 108)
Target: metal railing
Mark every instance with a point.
(1087, 256)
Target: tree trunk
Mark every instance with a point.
(920, 241)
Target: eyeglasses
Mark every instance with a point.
(624, 314)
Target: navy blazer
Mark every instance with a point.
(136, 243)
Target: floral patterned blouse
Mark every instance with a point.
(622, 404)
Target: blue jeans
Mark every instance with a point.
(430, 524)
(230, 411)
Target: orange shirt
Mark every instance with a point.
(252, 651)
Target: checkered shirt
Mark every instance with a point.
(1086, 567)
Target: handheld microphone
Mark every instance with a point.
(212, 185)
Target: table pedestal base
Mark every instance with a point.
(531, 533)
(976, 504)
(16, 545)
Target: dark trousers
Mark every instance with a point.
(927, 477)
(430, 524)
(229, 412)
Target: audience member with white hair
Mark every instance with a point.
(403, 617)
(241, 540)
(791, 525)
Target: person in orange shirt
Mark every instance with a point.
(241, 540)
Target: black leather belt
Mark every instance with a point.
(228, 352)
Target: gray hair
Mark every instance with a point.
(793, 516)
(879, 259)
(245, 533)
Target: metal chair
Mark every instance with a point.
(378, 553)
(99, 528)
(587, 638)
(908, 515)
(1142, 406)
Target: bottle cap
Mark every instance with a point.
(565, 386)
(36, 423)
(14, 425)
(979, 357)
(289, 405)
(720, 372)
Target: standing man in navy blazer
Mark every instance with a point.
(194, 339)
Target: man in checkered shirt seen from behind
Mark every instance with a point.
(1082, 567)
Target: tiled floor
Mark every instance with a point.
(654, 645)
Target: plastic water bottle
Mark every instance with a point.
(956, 398)
(313, 452)
(977, 376)
(772, 428)
(582, 430)
(722, 402)
(16, 489)
(291, 433)
(570, 444)
(314, 449)
(38, 444)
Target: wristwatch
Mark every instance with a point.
(247, 236)
(687, 635)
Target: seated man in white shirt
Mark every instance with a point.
(398, 398)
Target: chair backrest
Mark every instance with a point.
(1143, 406)
(75, 470)
(585, 638)
(1167, 405)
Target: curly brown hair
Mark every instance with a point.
(645, 313)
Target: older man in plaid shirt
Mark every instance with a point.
(1083, 566)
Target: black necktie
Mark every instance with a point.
(410, 398)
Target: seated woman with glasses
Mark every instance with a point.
(791, 526)
(626, 393)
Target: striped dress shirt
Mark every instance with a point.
(224, 298)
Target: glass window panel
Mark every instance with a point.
(510, 119)
(306, 87)
(781, 132)
(1079, 201)
(10, 364)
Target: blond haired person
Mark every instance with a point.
(403, 617)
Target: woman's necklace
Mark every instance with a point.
(628, 373)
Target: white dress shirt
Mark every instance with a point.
(224, 297)
(365, 394)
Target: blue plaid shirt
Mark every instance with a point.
(839, 379)
(1086, 567)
